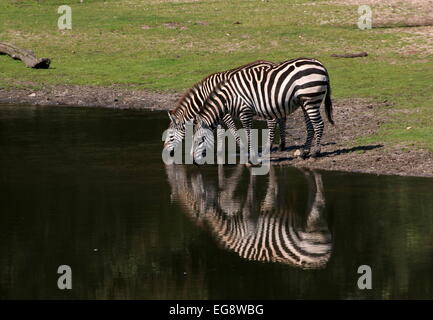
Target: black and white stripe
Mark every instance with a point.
(267, 230)
(270, 234)
(192, 102)
(272, 93)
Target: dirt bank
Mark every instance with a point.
(90, 96)
(353, 117)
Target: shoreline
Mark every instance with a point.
(339, 152)
(90, 96)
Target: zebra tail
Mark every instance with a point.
(328, 104)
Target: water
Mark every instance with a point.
(87, 188)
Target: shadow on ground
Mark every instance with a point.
(330, 153)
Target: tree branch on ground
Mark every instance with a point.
(26, 56)
(350, 55)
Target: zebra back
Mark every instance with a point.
(271, 92)
(193, 99)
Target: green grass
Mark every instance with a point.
(108, 45)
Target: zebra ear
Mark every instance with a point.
(170, 116)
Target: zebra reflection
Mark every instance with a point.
(256, 228)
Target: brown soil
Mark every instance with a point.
(353, 118)
(91, 96)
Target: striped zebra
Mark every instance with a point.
(266, 230)
(271, 93)
(192, 101)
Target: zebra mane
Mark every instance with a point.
(196, 87)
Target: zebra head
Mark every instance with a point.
(175, 134)
(203, 141)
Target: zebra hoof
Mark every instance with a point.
(304, 155)
(315, 155)
(282, 147)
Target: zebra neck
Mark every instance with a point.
(213, 113)
(182, 115)
(210, 123)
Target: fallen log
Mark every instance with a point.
(421, 21)
(350, 55)
(26, 56)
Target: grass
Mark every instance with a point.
(129, 43)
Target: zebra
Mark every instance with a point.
(192, 101)
(271, 93)
(265, 230)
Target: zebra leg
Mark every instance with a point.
(272, 126)
(247, 122)
(313, 112)
(220, 151)
(271, 193)
(282, 126)
(221, 177)
(226, 195)
(310, 135)
(230, 123)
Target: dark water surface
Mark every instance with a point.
(87, 188)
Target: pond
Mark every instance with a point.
(87, 188)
